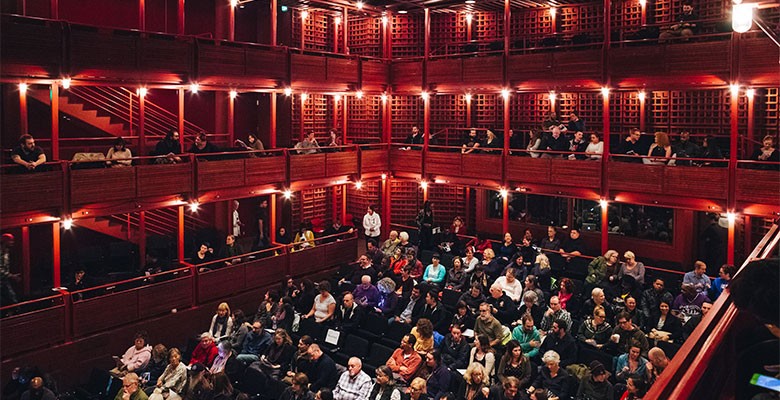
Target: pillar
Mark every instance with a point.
(505, 214)
(23, 123)
(642, 111)
(272, 214)
(344, 207)
(180, 115)
(386, 207)
(180, 235)
(141, 238)
(142, 15)
(344, 111)
(142, 125)
(26, 260)
(468, 110)
(56, 264)
(273, 24)
(231, 118)
(232, 23)
(344, 29)
(604, 172)
(55, 121)
(733, 148)
(604, 226)
(272, 122)
(180, 18)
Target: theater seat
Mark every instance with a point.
(378, 355)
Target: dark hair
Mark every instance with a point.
(509, 347)
(141, 335)
(729, 270)
(202, 136)
(755, 290)
(561, 324)
(326, 394)
(307, 340)
(169, 135)
(386, 371)
(120, 142)
(222, 384)
(323, 286)
(484, 342)
(238, 317)
(461, 304)
(436, 353)
(640, 384)
(567, 284)
(434, 294)
(411, 339)
(371, 242)
(273, 295)
(623, 314)
(24, 138)
(308, 285)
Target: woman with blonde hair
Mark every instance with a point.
(476, 380)
(418, 390)
(221, 323)
(542, 272)
(632, 267)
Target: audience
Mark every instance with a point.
(354, 383)
(137, 356)
(455, 349)
(27, 154)
(483, 353)
(553, 377)
(205, 352)
(515, 364)
(324, 305)
(120, 154)
(385, 388)
(254, 344)
(221, 323)
(172, 381)
(438, 375)
(475, 381)
(405, 361)
(322, 372)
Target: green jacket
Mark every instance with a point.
(138, 395)
(598, 270)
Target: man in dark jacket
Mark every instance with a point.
(563, 343)
(349, 315)
(455, 350)
(323, 372)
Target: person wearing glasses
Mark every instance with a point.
(131, 388)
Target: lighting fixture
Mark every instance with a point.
(605, 91)
(194, 87)
(67, 223)
(142, 92)
(287, 194)
(359, 94)
(65, 83)
(641, 96)
(194, 206)
(288, 91)
(742, 17)
(233, 94)
(22, 88)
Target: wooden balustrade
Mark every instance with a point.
(32, 330)
(47, 187)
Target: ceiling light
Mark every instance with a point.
(66, 83)
(233, 94)
(22, 88)
(359, 5)
(402, 11)
(194, 87)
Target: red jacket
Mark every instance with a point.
(204, 355)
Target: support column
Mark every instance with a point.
(231, 119)
(142, 15)
(55, 121)
(604, 226)
(344, 207)
(56, 264)
(344, 116)
(345, 29)
(272, 214)
(468, 110)
(303, 116)
(232, 23)
(468, 26)
(604, 172)
(425, 192)
(336, 24)
(426, 120)
(26, 260)
(23, 123)
(272, 122)
(142, 125)
(180, 235)
(733, 148)
(750, 113)
(505, 214)
(180, 126)
(334, 200)
(731, 235)
(507, 23)
(303, 32)
(427, 27)
(386, 207)
(141, 238)
(642, 111)
(336, 101)
(273, 24)
(54, 9)
(180, 18)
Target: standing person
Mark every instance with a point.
(425, 223)
(7, 293)
(372, 224)
(237, 224)
(262, 225)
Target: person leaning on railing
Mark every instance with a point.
(120, 153)
(767, 152)
(27, 154)
(168, 147)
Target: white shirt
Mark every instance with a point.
(371, 224)
(514, 290)
(236, 224)
(595, 148)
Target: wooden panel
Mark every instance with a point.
(373, 161)
(585, 64)
(306, 166)
(484, 70)
(406, 75)
(304, 262)
(163, 297)
(342, 70)
(522, 67)
(475, 165)
(266, 63)
(265, 170)
(375, 75)
(100, 54)
(757, 186)
(16, 191)
(635, 61)
(221, 282)
(265, 272)
(30, 48)
(581, 173)
(307, 68)
(633, 177)
(699, 58)
(220, 174)
(164, 54)
(440, 163)
(32, 330)
(756, 64)
(528, 169)
(164, 179)
(104, 312)
(448, 71)
(406, 160)
(216, 60)
(711, 183)
(341, 163)
(340, 252)
(97, 185)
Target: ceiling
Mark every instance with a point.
(437, 6)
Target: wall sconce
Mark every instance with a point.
(742, 17)
(65, 83)
(288, 91)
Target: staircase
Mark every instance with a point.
(162, 222)
(80, 111)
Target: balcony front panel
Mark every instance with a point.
(307, 166)
(219, 62)
(341, 163)
(264, 170)
(479, 166)
(373, 161)
(307, 70)
(16, 191)
(163, 179)
(164, 58)
(260, 272)
(528, 169)
(484, 72)
(221, 282)
(445, 73)
(31, 48)
(307, 261)
(409, 161)
(342, 73)
(340, 252)
(709, 183)
(266, 67)
(406, 76)
(220, 174)
(104, 55)
(758, 186)
(757, 61)
(634, 177)
(580, 173)
(443, 164)
(100, 313)
(582, 67)
(375, 76)
(90, 186)
(32, 330)
(525, 67)
(161, 298)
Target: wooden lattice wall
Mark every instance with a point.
(406, 112)
(318, 115)
(365, 36)
(364, 119)
(317, 29)
(408, 35)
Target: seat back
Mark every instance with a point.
(396, 331)
(375, 323)
(450, 298)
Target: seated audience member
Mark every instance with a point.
(488, 325)
(283, 236)
(435, 273)
(602, 270)
(507, 250)
(475, 382)
(551, 242)
(684, 147)
(692, 323)
(241, 327)
(277, 357)
(684, 26)
(473, 297)
(438, 375)
(492, 266)
(632, 267)
(334, 140)
(173, 379)
(396, 263)
(656, 365)
(205, 254)
(510, 285)
(575, 124)
(301, 362)
(595, 384)
(636, 388)
(527, 336)
(304, 238)
(354, 383)
(202, 145)
(561, 342)
(29, 156)
(664, 326)
(534, 142)
(253, 143)
(223, 389)
(532, 285)
(463, 316)
(303, 295)
(198, 384)
(120, 154)
(720, 283)
(652, 297)
(417, 390)
(595, 147)
(255, 344)
(405, 283)
(515, 364)
(221, 323)
(38, 391)
(491, 142)
(636, 316)
(632, 147)
(324, 304)
(323, 370)
(284, 315)
(205, 351)
(455, 349)
(661, 150)
(385, 387)
(226, 362)
(554, 312)
(405, 361)
(434, 311)
(405, 244)
(502, 307)
(530, 307)
(631, 363)
(456, 276)
(268, 307)
(168, 148)
(709, 149)
(595, 330)
(365, 267)
(410, 311)
(348, 315)
(554, 141)
(131, 389)
(308, 145)
(335, 228)
(483, 353)
(553, 377)
(423, 332)
(471, 142)
(137, 356)
(767, 152)
(551, 121)
(391, 244)
(157, 364)
(231, 250)
(375, 254)
(299, 389)
(698, 277)
(470, 262)
(577, 147)
(597, 298)
(479, 277)
(571, 250)
(478, 245)
(626, 334)
(415, 265)
(366, 294)
(688, 303)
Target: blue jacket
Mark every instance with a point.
(256, 343)
(439, 382)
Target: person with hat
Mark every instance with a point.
(595, 385)
(435, 273)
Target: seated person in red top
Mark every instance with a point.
(405, 361)
(206, 351)
(27, 154)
